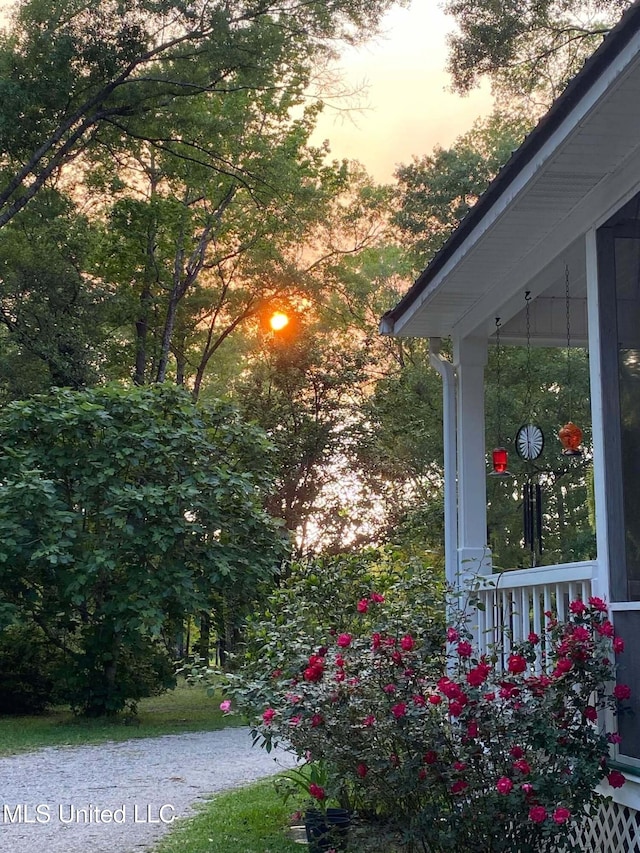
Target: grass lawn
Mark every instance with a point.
(252, 819)
(184, 709)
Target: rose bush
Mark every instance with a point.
(494, 753)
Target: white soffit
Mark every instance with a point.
(514, 240)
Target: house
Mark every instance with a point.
(569, 198)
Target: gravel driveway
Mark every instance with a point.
(120, 797)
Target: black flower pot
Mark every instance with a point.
(327, 830)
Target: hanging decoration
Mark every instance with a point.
(570, 435)
(529, 443)
(499, 455)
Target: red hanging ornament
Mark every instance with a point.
(500, 460)
(570, 437)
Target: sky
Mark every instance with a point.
(408, 110)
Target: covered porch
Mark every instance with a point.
(567, 202)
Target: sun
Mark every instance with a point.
(278, 321)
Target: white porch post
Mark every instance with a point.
(474, 557)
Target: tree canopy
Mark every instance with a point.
(526, 47)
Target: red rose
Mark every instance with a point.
(430, 757)
(616, 779)
(533, 638)
(316, 720)
(504, 785)
(622, 691)
(516, 664)
(578, 607)
(268, 715)
(344, 640)
(538, 814)
(362, 770)
(464, 649)
(317, 791)
(516, 752)
(377, 598)
(561, 815)
(590, 713)
(434, 699)
(369, 720)
(363, 605)
(452, 635)
(459, 786)
(522, 766)
(478, 675)
(376, 641)
(407, 643)
(399, 710)
(598, 604)
(618, 645)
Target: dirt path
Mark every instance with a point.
(120, 797)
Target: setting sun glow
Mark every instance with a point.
(278, 321)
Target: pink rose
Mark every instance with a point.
(389, 688)
(606, 629)
(622, 691)
(369, 720)
(618, 645)
(614, 737)
(452, 635)
(377, 598)
(538, 814)
(268, 715)
(316, 720)
(522, 766)
(344, 640)
(472, 729)
(376, 641)
(561, 815)
(533, 638)
(418, 701)
(363, 605)
(504, 785)
(399, 710)
(527, 787)
(225, 706)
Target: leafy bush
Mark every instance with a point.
(27, 671)
(490, 755)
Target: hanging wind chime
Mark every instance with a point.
(570, 435)
(529, 446)
(499, 455)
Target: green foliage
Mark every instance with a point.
(79, 78)
(54, 316)
(438, 190)
(526, 46)
(122, 509)
(295, 618)
(27, 671)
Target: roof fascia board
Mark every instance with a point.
(612, 73)
(597, 207)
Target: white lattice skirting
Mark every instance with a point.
(613, 829)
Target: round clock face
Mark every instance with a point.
(529, 441)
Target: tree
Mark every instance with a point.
(437, 190)
(80, 77)
(526, 46)
(54, 314)
(123, 512)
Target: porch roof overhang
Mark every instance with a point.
(526, 229)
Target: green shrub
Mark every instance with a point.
(27, 671)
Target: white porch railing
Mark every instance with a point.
(513, 604)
